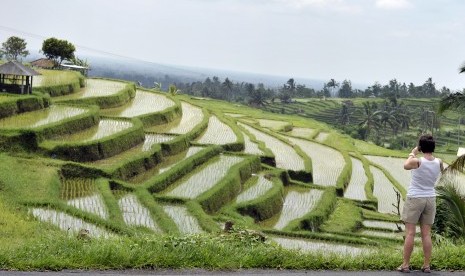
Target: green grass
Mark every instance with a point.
(347, 217)
(33, 179)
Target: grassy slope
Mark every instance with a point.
(24, 240)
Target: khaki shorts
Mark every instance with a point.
(419, 209)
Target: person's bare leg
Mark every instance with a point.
(427, 244)
(408, 244)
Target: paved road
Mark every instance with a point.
(251, 272)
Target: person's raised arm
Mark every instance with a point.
(412, 161)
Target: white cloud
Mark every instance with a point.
(393, 4)
(331, 5)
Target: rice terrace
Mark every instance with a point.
(112, 158)
(149, 175)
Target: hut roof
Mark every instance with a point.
(43, 63)
(17, 69)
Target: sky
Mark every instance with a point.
(360, 40)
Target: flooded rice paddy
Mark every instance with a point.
(204, 178)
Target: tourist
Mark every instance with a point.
(420, 205)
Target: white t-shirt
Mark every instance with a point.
(424, 178)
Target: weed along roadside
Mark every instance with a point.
(99, 174)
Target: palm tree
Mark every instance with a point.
(451, 210)
(387, 117)
(455, 101)
(344, 115)
(370, 118)
(403, 120)
(332, 84)
(227, 84)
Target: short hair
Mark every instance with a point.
(426, 143)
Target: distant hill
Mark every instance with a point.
(148, 72)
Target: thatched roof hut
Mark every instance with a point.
(16, 78)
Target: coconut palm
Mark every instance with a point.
(370, 118)
(227, 84)
(387, 116)
(332, 84)
(455, 101)
(451, 211)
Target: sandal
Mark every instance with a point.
(403, 269)
(426, 269)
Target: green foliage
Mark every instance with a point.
(230, 186)
(265, 206)
(108, 101)
(158, 214)
(26, 180)
(347, 217)
(98, 149)
(58, 49)
(451, 211)
(162, 181)
(182, 142)
(318, 215)
(59, 83)
(13, 48)
(344, 177)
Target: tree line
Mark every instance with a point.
(259, 95)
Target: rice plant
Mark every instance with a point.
(33, 119)
(321, 137)
(259, 189)
(135, 214)
(54, 77)
(302, 132)
(384, 191)
(187, 224)
(81, 193)
(286, 157)
(217, 133)
(143, 103)
(68, 223)
(327, 162)
(191, 117)
(105, 128)
(356, 188)
(319, 247)
(204, 179)
(296, 205)
(395, 167)
(251, 147)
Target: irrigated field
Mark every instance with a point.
(160, 167)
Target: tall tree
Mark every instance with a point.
(332, 84)
(346, 89)
(13, 48)
(58, 50)
(228, 85)
(369, 117)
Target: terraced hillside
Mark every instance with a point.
(447, 129)
(118, 160)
